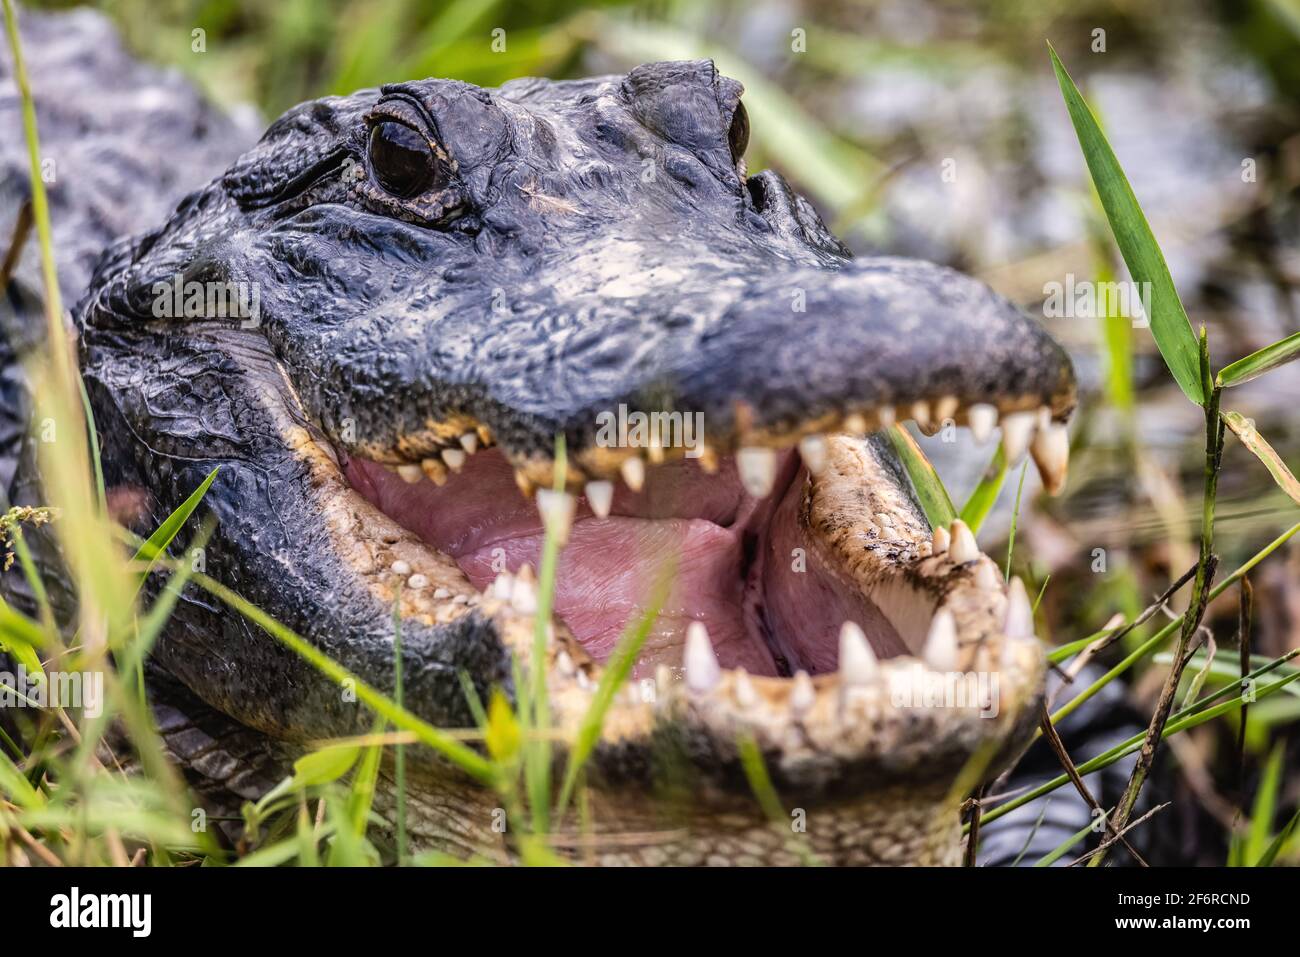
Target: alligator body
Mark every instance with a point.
(432, 282)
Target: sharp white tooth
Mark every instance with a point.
(746, 696)
(1044, 416)
(410, 474)
(417, 582)
(525, 573)
(856, 424)
(523, 596)
(557, 512)
(803, 695)
(583, 681)
(454, 458)
(963, 548)
(702, 671)
(401, 568)
(503, 586)
(982, 419)
(469, 442)
(564, 664)
(1051, 452)
(941, 540)
(940, 650)
(663, 680)
(1017, 429)
(921, 414)
(757, 467)
(857, 660)
(1020, 612)
(812, 449)
(633, 472)
(441, 593)
(987, 577)
(946, 408)
(886, 416)
(600, 496)
(434, 471)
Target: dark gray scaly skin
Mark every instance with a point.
(581, 244)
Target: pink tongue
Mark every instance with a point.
(609, 568)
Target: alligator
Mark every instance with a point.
(452, 283)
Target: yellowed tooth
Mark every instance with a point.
(987, 577)
(1044, 416)
(600, 496)
(469, 442)
(746, 696)
(410, 474)
(940, 651)
(1020, 612)
(982, 419)
(886, 416)
(633, 472)
(1017, 430)
(434, 471)
(813, 450)
(757, 467)
(963, 548)
(557, 510)
(802, 695)
(524, 482)
(702, 671)
(441, 593)
(417, 582)
(455, 458)
(655, 451)
(708, 460)
(856, 424)
(941, 540)
(484, 435)
(857, 664)
(400, 567)
(1051, 452)
(921, 415)
(945, 408)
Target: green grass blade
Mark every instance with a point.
(985, 495)
(929, 487)
(1146, 263)
(1265, 806)
(1270, 854)
(157, 543)
(1257, 363)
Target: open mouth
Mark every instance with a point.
(776, 561)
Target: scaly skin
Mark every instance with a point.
(571, 246)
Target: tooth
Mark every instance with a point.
(401, 568)
(982, 418)
(941, 540)
(469, 442)
(663, 680)
(434, 470)
(940, 650)
(857, 660)
(525, 483)
(812, 449)
(557, 512)
(963, 548)
(454, 458)
(921, 414)
(702, 671)
(655, 451)
(987, 577)
(803, 695)
(886, 416)
(708, 460)
(564, 664)
(525, 573)
(746, 696)
(523, 596)
(633, 472)
(884, 520)
(757, 468)
(1051, 452)
(410, 474)
(1044, 416)
(1020, 613)
(600, 496)
(1017, 429)
(441, 593)
(856, 424)
(946, 408)
(484, 434)
(417, 582)
(503, 586)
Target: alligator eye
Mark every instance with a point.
(402, 160)
(738, 135)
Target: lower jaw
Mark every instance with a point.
(695, 547)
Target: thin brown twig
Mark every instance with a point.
(1105, 845)
(1244, 614)
(1062, 755)
(973, 839)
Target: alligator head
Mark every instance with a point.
(441, 282)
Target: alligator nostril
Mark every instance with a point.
(738, 134)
